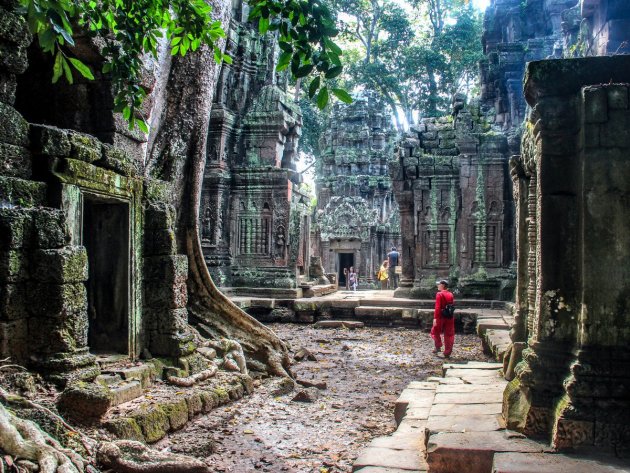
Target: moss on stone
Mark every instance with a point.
(153, 422)
(177, 413)
(125, 428)
(22, 193)
(195, 404)
(222, 394)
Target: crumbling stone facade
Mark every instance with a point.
(254, 218)
(357, 219)
(456, 220)
(88, 261)
(571, 187)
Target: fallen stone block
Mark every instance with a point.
(473, 452)
(350, 324)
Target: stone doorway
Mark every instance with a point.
(105, 234)
(345, 261)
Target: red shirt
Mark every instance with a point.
(442, 298)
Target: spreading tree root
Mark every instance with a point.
(128, 456)
(194, 379)
(25, 440)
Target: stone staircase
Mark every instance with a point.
(453, 424)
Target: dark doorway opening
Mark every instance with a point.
(106, 238)
(345, 261)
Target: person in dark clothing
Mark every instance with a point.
(394, 260)
(441, 324)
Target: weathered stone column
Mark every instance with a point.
(573, 384)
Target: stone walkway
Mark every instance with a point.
(454, 424)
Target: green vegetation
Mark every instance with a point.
(132, 29)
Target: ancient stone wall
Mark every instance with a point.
(573, 179)
(88, 262)
(254, 218)
(450, 183)
(357, 219)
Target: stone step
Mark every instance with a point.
(165, 408)
(473, 452)
(402, 451)
(514, 462)
(319, 290)
(496, 342)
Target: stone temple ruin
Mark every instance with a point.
(357, 219)
(254, 218)
(519, 195)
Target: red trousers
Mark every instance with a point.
(448, 327)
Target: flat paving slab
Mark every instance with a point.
(406, 460)
(401, 441)
(469, 397)
(467, 409)
(472, 373)
(380, 469)
(465, 423)
(554, 463)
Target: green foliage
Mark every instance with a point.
(133, 28)
(305, 30)
(417, 56)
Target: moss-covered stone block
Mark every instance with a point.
(50, 140)
(15, 161)
(195, 404)
(13, 28)
(84, 147)
(165, 294)
(13, 266)
(119, 161)
(8, 86)
(159, 237)
(15, 228)
(14, 334)
(153, 422)
(13, 127)
(168, 268)
(50, 229)
(82, 400)
(177, 413)
(21, 192)
(66, 265)
(125, 428)
(223, 395)
(13, 302)
(209, 400)
(57, 300)
(62, 335)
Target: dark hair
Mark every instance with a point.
(393, 248)
(444, 282)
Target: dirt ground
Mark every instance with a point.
(364, 370)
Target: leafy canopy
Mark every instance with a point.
(133, 28)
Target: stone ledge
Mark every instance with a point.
(553, 463)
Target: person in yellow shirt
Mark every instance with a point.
(382, 275)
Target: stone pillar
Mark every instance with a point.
(407, 249)
(573, 385)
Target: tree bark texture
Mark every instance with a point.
(178, 155)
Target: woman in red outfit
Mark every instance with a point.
(441, 324)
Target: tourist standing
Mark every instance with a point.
(383, 275)
(393, 258)
(353, 279)
(441, 320)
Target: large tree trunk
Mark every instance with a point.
(178, 155)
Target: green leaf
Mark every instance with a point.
(283, 61)
(332, 46)
(263, 25)
(174, 51)
(82, 68)
(322, 98)
(67, 71)
(57, 67)
(142, 125)
(312, 88)
(342, 95)
(334, 72)
(227, 59)
(303, 71)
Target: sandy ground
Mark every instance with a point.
(364, 370)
